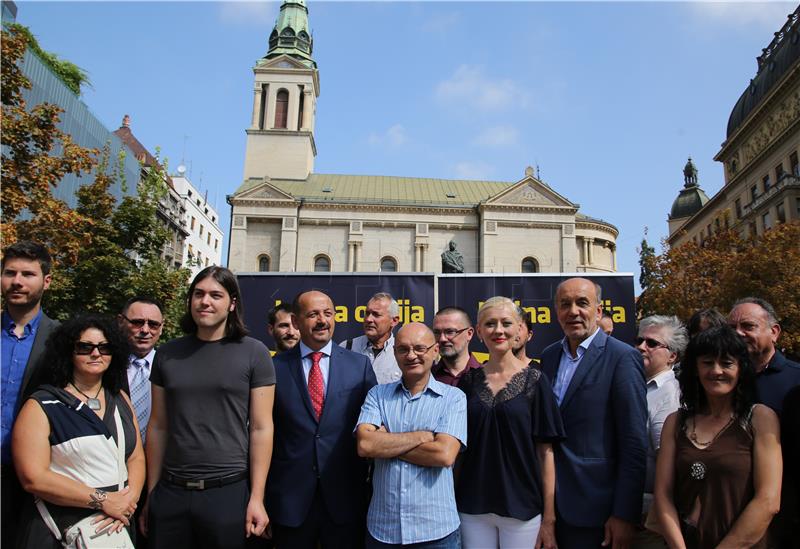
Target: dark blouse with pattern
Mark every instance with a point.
(500, 471)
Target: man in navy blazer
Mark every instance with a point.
(316, 490)
(600, 385)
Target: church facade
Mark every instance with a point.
(286, 218)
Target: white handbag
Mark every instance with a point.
(82, 534)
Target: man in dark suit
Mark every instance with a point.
(25, 329)
(600, 385)
(316, 489)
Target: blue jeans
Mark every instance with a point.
(450, 541)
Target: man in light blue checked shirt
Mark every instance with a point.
(414, 429)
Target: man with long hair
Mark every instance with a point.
(209, 440)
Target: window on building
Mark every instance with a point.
(193, 222)
(189, 192)
(753, 229)
(205, 210)
(794, 164)
(208, 239)
(213, 219)
(753, 193)
(388, 265)
(206, 263)
(530, 265)
(708, 230)
(767, 219)
(263, 264)
(216, 244)
(716, 225)
(779, 172)
(191, 251)
(738, 208)
(767, 183)
(281, 109)
(201, 229)
(322, 264)
(781, 212)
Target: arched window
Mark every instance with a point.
(281, 109)
(322, 264)
(388, 265)
(530, 265)
(263, 264)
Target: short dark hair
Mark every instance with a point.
(60, 347)
(272, 315)
(712, 318)
(28, 249)
(453, 309)
(142, 299)
(606, 314)
(234, 325)
(719, 342)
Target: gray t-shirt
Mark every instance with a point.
(207, 393)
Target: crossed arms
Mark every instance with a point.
(422, 448)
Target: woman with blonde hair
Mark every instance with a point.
(506, 488)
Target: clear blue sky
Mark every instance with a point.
(609, 99)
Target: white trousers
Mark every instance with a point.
(491, 531)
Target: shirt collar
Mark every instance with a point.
(305, 350)
(582, 346)
(433, 385)
(661, 378)
(8, 323)
(148, 358)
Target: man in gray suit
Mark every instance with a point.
(25, 328)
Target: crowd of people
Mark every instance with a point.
(397, 438)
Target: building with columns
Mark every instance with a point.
(760, 153)
(285, 217)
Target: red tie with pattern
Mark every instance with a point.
(316, 387)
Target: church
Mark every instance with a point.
(286, 218)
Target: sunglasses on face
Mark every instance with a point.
(650, 342)
(140, 322)
(86, 348)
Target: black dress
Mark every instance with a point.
(500, 472)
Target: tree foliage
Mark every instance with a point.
(727, 267)
(647, 256)
(104, 252)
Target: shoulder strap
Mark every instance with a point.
(120, 446)
(349, 345)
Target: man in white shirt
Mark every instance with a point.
(377, 343)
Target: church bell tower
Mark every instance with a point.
(280, 139)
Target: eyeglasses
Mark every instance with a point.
(418, 350)
(650, 342)
(140, 322)
(449, 333)
(86, 348)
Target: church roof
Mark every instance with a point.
(291, 34)
(383, 189)
(692, 198)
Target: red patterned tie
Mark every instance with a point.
(316, 388)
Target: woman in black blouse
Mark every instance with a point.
(506, 487)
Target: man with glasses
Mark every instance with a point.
(414, 429)
(453, 331)
(142, 322)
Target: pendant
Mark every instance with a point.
(93, 403)
(698, 470)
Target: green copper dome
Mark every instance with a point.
(691, 199)
(291, 35)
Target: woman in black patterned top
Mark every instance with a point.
(506, 486)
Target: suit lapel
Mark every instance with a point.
(588, 362)
(334, 382)
(295, 364)
(42, 333)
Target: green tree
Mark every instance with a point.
(103, 252)
(647, 258)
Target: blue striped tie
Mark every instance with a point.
(140, 394)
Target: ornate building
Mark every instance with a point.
(760, 153)
(287, 218)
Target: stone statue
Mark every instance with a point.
(689, 174)
(452, 260)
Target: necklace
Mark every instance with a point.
(693, 436)
(92, 403)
